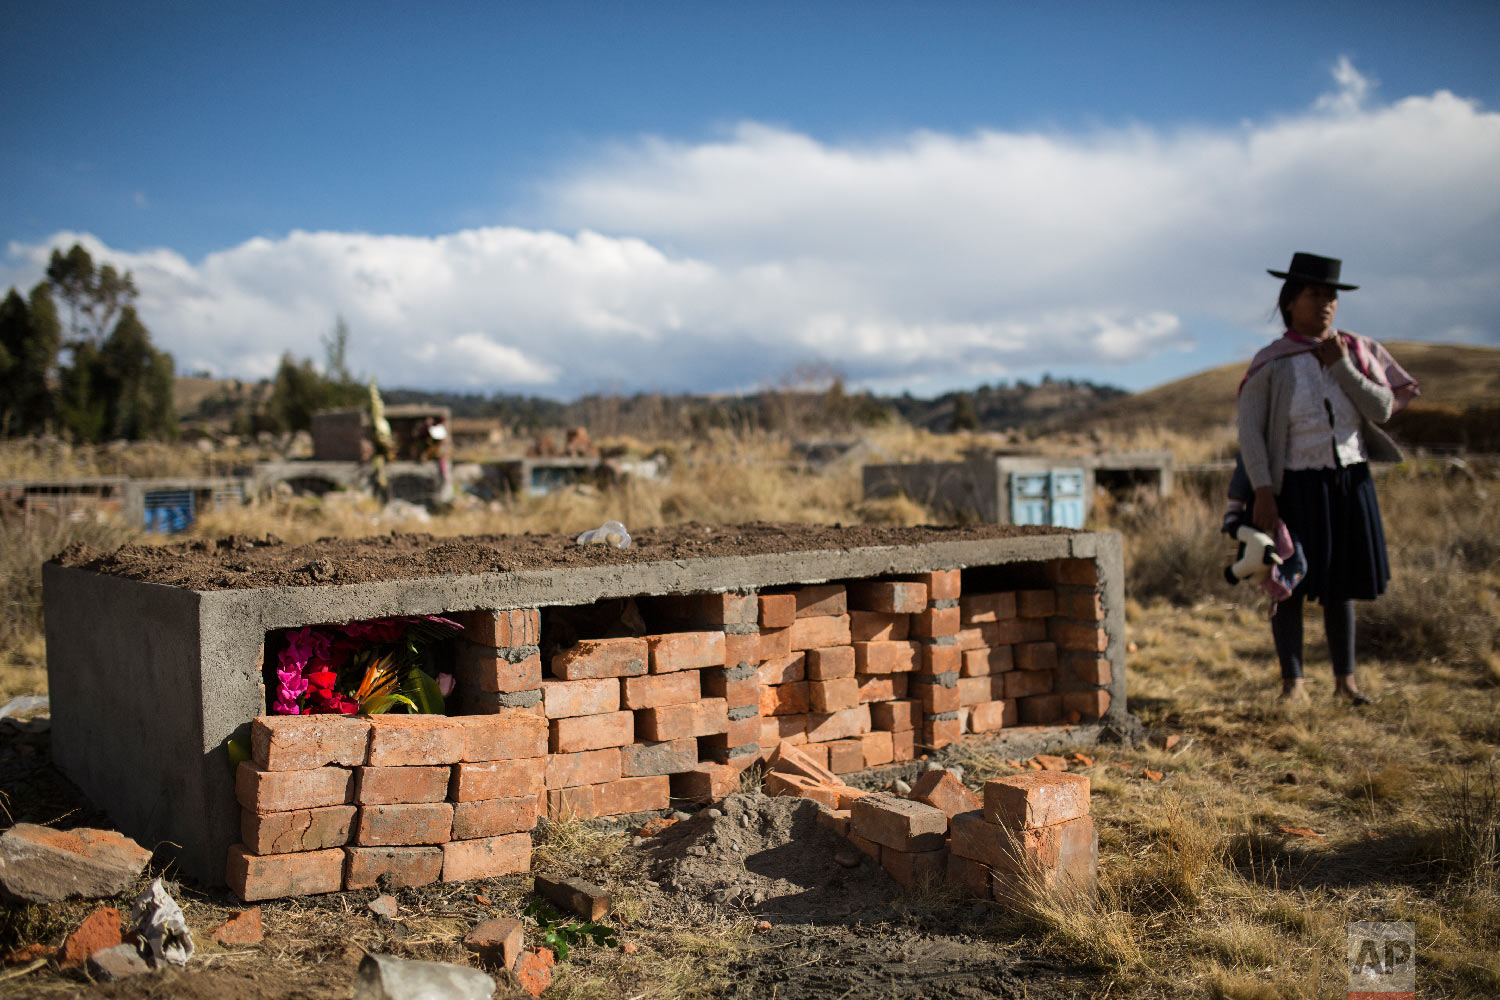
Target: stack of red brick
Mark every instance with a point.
(335, 802)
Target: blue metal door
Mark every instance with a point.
(1067, 498)
(169, 511)
(1053, 497)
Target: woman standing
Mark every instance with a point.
(1309, 411)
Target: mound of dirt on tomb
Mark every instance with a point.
(763, 855)
(237, 562)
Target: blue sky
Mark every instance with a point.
(560, 198)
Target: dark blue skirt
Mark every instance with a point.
(1334, 514)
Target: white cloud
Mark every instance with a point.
(727, 263)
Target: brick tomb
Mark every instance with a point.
(565, 716)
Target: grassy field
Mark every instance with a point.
(1231, 875)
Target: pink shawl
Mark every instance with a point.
(1373, 361)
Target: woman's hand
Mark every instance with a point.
(1266, 514)
(1331, 350)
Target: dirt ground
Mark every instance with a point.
(240, 562)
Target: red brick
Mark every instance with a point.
(302, 742)
(888, 596)
(817, 753)
(971, 637)
(579, 802)
(685, 651)
(397, 740)
(1036, 603)
(775, 643)
(941, 584)
(885, 657)
(641, 760)
(674, 722)
(997, 607)
(935, 623)
(741, 649)
(720, 609)
(497, 942)
(1087, 605)
(987, 660)
(281, 791)
(977, 690)
(1088, 704)
(401, 865)
(99, 930)
(845, 756)
(298, 830)
(511, 627)
(1091, 669)
(830, 663)
(494, 817)
(979, 840)
(741, 732)
(633, 795)
(1013, 631)
(941, 790)
(877, 748)
(381, 785)
(941, 659)
(400, 825)
(1026, 683)
(736, 694)
(835, 821)
(499, 779)
(787, 759)
(833, 696)
(936, 699)
(594, 732)
(820, 631)
(910, 869)
(507, 855)
(838, 725)
(1036, 798)
(821, 600)
(891, 821)
(484, 669)
(1063, 853)
(797, 786)
(784, 699)
(938, 733)
(594, 658)
(893, 716)
(779, 729)
(509, 734)
(1073, 571)
(871, 626)
(1071, 636)
(904, 744)
(968, 877)
(876, 688)
(987, 716)
(783, 669)
(534, 970)
(1039, 709)
(1036, 656)
(569, 699)
(255, 877)
(243, 928)
(777, 610)
(706, 783)
(655, 690)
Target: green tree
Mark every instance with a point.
(138, 380)
(299, 390)
(964, 417)
(95, 295)
(30, 338)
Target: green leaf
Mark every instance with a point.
(238, 751)
(423, 692)
(382, 703)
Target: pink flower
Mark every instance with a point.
(445, 684)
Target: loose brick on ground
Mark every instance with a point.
(641, 760)
(99, 930)
(1062, 852)
(898, 823)
(675, 722)
(493, 817)
(594, 658)
(256, 877)
(796, 786)
(685, 651)
(941, 790)
(914, 868)
(380, 785)
(979, 840)
(487, 858)
(403, 825)
(497, 942)
(789, 759)
(1036, 798)
(402, 866)
(595, 696)
(298, 830)
(242, 929)
(498, 779)
(888, 596)
(302, 742)
(282, 791)
(872, 626)
(575, 895)
(654, 690)
(510, 733)
(397, 740)
(967, 876)
(595, 732)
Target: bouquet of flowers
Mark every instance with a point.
(369, 667)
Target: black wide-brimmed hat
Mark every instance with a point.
(1314, 270)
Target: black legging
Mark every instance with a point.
(1338, 623)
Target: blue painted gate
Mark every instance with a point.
(1052, 496)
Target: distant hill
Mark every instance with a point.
(1453, 378)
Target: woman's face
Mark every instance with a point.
(1313, 309)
